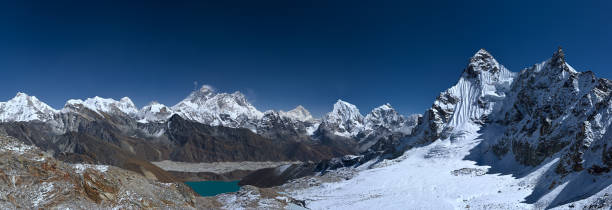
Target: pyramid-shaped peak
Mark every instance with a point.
(482, 55)
(345, 110)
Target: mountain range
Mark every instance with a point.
(533, 139)
(204, 127)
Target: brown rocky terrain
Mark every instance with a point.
(31, 179)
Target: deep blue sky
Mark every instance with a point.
(284, 53)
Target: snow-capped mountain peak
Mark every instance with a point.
(25, 108)
(383, 116)
(484, 82)
(344, 119)
(154, 112)
(206, 106)
(104, 105)
(345, 111)
(299, 113)
(482, 61)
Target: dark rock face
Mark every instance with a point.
(275, 126)
(197, 142)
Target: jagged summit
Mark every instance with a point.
(481, 61)
(555, 68)
(558, 57)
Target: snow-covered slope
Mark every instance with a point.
(430, 177)
(207, 107)
(25, 108)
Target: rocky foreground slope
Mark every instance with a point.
(30, 179)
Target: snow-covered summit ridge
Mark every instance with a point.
(103, 105)
(25, 108)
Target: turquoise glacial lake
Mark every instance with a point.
(212, 188)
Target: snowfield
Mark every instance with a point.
(435, 176)
(423, 178)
